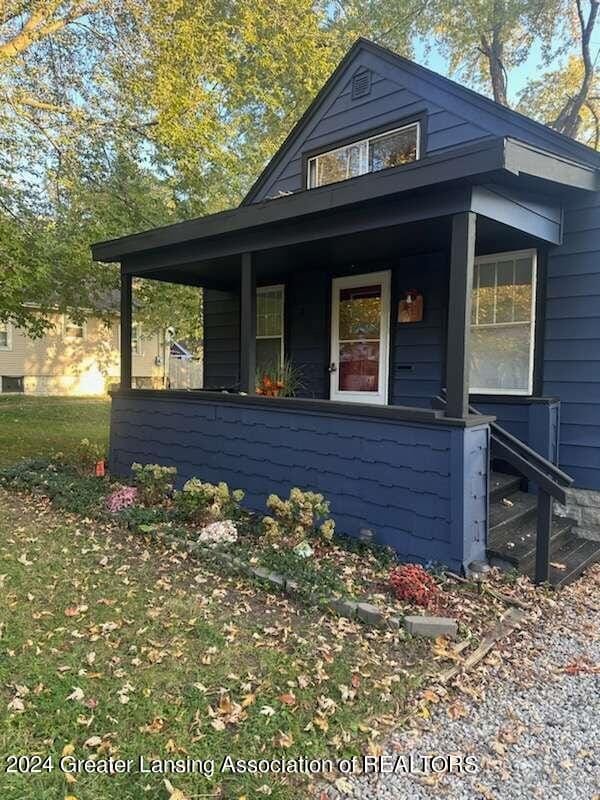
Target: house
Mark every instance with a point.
(430, 261)
(75, 359)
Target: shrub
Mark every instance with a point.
(79, 494)
(410, 582)
(218, 533)
(140, 518)
(153, 482)
(302, 515)
(123, 497)
(87, 455)
(200, 502)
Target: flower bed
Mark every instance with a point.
(293, 546)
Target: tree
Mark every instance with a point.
(570, 117)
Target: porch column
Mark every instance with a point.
(125, 330)
(248, 325)
(462, 256)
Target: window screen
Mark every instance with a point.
(502, 324)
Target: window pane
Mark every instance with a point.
(339, 165)
(3, 334)
(523, 289)
(73, 331)
(502, 334)
(360, 313)
(500, 357)
(504, 291)
(393, 149)
(359, 367)
(269, 313)
(268, 354)
(487, 286)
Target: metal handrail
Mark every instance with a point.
(551, 482)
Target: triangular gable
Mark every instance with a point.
(398, 90)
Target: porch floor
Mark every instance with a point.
(512, 535)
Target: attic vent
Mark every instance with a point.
(361, 84)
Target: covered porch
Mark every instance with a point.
(362, 429)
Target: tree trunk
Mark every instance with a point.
(569, 119)
(494, 52)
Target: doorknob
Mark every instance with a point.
(332, 367)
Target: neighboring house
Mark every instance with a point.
(420, 254)
(73, 359)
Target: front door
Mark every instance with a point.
(360, 337)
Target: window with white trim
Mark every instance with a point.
(390, 149)
(5, 336)
(503, 323)
(269, 328)
(73, 330)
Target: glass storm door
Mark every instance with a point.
(360, 335)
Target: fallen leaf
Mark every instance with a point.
(284, 740)
(287, 699)
(93, 741)
(77, 694)
(174, 794)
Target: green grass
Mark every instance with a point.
(37, 426)
(210, 665)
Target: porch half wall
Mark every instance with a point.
(420, 486)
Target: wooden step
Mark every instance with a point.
(515, 543)
(503, 485)
(519, 506)
(572, 556)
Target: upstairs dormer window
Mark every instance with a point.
(390, 149)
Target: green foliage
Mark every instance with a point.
(280, 380)
(65, 487)
(303, 515)
(154, 482)
(312, 576)
(143, 519)
(202, 503)
(87, 454)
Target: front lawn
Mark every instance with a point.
(38, 426)
(113, 645)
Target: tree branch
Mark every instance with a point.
(569, 119)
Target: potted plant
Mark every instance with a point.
(282, 380)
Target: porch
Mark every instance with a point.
(364, 434)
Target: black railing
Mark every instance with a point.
(551, 483)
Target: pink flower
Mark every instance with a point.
(123, 497)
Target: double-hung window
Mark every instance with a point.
(390, 149)
(503, 323)
(73, 330)
(5, 336)
(269, 328)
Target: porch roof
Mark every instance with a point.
(497, 160)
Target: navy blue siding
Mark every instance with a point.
(221, 339)
(535, 424)
(418, 348)
(307, 330)
(572, 340)
(421, 488)
(399, 90)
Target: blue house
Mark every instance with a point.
(428, 261)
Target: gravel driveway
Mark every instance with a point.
(530, 715)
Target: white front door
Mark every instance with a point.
(360, 338)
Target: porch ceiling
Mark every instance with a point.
(344, 251)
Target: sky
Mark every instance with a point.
(518, 76)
